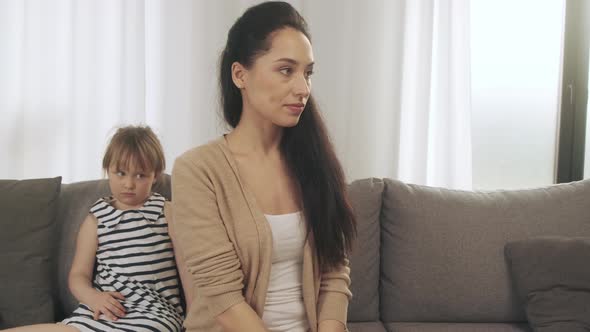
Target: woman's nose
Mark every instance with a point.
(302, 86)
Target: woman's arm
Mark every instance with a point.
(208, 253)
(333, 298)
(240, 317)
(80, 277)
(187, 284)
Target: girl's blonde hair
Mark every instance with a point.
(136, 145)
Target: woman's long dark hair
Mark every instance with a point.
(306, 146)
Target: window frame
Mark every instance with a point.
(574, 93)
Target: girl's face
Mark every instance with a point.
(130, 187)
(278, 84)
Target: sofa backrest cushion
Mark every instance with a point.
(365, 196)
(74, 205)
(442, 251)
(27, 234)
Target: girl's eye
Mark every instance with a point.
(119, 173)
(285, 71)
(139, 176)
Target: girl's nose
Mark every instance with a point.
(129, 184)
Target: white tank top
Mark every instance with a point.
(284, 309)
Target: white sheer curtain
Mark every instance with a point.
(72, 71)
(392, 80)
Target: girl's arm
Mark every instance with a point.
(80, 277)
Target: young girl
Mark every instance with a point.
(125, 237)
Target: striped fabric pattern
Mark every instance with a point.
(134, 257)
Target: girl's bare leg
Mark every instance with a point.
(44, 328)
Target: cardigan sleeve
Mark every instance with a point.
(187, 286)
(209, 254)
(334, 294)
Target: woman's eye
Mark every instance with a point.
(285, 71)
(309, 73)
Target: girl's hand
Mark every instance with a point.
(106, 303)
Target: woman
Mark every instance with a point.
(261, 214)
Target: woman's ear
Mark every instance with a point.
(238, 73)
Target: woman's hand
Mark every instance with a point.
(106, 303)
(332, 326)
(240, 317)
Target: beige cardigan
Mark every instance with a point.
(226, 243)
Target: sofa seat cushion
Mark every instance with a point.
(552, 278)
(28, 250)
(366, 327)
(442, 251)
(457, 327)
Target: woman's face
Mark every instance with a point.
(277, 85)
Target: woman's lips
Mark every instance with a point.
(295, 108)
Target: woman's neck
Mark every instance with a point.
(250, 137)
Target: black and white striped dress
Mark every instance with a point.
(134, 257)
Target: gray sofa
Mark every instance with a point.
(426, 259)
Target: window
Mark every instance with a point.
(515, 68)
(574, 102)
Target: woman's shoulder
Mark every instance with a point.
(207, 156)
(209, 150)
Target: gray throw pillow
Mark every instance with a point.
(28, 241)
(552, 278)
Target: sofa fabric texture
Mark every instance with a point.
(365, 196)
(442, 251)
(366, 327)
(27, 238)
(457, 327)
(552, 278)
